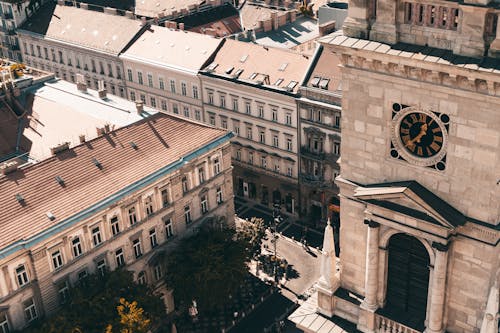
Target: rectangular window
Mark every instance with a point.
(110, 70)
(101, 267)
(118, 72)
(223, 123)
(275, 114)
(139, 77)
(46, 53)
(197, 114)
(57, 259)
(204, 204)
(164, 105)
(235, 104)
(211, 120)
(186, 111)
(210, 98)
(250, 158)
(169, 230)
(185, 186)
(129, 75)
(150, 80)
(262, 137)
(115, 227)
(336, 148)
(187, 215)
(238, 155)
(261, 111)
(132, 96)
(263, 162)
(218, 195)
(153, 102)
(30, 310)
(143, 98)
(183, 89)
(249, 133)
(132, 216)
(248, 108)
(76, 245)
(96, 236)
(201, 175)
(161, 83)
(175, 108)
(148, 203)
(165, 199)
(141, 278)
(216, 162)
(236, 129)
(63, 292)
(195, 92)
(136, 245)
(158, 272)
(289, 145)
(92, 63)
(120, 258)
(152, 238)
(222, 101)
(289, 171)
(337, 120)
(39, 51)
(172, 86)
(4, 324)
(275, 141)
(276, 167)
(82, 275)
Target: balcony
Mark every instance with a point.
(313, 154)
(383, 324)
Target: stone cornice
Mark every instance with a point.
(472, 79)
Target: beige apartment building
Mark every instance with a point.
(319, 108)
(68, 40)
(251, 90)
(161, 70)
(88, 209)
(419, 182)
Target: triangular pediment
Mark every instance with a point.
(411, 199)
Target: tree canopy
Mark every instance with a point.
(101, 302)
(253, 233)
(207, 267)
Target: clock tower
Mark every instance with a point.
(420, 166)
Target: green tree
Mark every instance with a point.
(253, 233)
(132, 318)
(207, 267)
(92, 305)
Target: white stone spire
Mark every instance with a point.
(330, 278)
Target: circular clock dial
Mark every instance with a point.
(421, 135)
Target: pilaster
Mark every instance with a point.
(438, 289)
(494, 50)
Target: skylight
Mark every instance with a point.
(323, 84)
(278, 82)
(315, 81)
(283, 66)
(292, 84)
(244, 58)
(253, 76)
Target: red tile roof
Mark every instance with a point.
(160, 140)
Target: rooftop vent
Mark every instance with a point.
(60, 181)
(229, 70)
(133, 145)
(97, 163)
(59, 148)
(50, 216)
(20, 199)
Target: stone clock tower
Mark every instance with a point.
(420, 169)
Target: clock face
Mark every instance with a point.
(421, 135)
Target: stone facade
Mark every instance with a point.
(446, 203)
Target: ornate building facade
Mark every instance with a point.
(419, 182)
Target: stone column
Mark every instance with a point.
(371, 274)
(438, 288)
(495, 45)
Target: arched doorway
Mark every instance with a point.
(407, 281)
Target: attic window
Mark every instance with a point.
(244, 58)
(59, 180)
(283, 66)
(315, 81)
(324, 83)
(212, 66)
(253, 76)
(278, 82)
(238, 72)
(20, 198)
(97, 163)
(50, 216)
(292, 84)
(229, 70)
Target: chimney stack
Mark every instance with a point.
(82, 138)
(81, 85)
(139, 106)
(101, 91)
(181, 26)
(59, 148)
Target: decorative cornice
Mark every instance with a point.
(371, 224)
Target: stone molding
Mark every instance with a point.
(434, 73)
(371, 224)
(440, 247)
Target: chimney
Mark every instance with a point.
(59, 148)
(81, 85)
(101, 91)
(139, 106)
(111, 11)
(181, 26)
(60, 2)
(8, 167)
(106, 128)
(82, 138)
(84, 5)
(274, 19)
(100, 131)
(293, 16)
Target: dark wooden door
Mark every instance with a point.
(407, 280)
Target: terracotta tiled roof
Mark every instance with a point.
(160, 140)
(87, 28)
(151, 8)
(269, 64)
